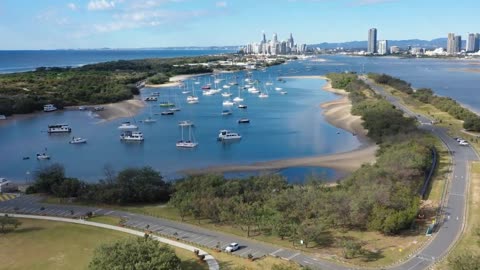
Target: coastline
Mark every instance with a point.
(175, 80)
(337, 113)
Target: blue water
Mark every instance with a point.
(282, 126)
(16, 61)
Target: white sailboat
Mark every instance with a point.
(190, 143)
(238, 98)
(192, 99)
(150, 119)
(264, 94)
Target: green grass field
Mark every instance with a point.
(41, 245)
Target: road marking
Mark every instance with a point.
(273, 253)
(109, 212)
(293, 256)
(457, 194)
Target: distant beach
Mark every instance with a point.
(337, 113)
(175, 81)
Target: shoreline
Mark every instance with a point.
(175, 80)
(336, 113)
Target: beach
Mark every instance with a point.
(337, 113)
(175, 81)
(126, 108)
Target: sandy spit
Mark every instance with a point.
(337, 113)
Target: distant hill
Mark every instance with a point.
(434, 43)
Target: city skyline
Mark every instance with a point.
(54, 24)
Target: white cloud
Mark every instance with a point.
(72, 6)
(100, 5)
(221, 4)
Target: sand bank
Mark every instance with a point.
(175, 81)
(337, 113)
(346, 161)
(126, 108)
(471, 70)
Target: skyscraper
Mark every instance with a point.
(458, 44)
(264, 40)
(476, 48)
(372, 40)
(451, 44)
(383, 47)
(290, 42)
(275, 38)
(471, 43)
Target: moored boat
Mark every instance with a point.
(244, 121)
(134, 136)
(77, 140)
(43, 156)
(59, 128)
(127, 126)
(226, 135)
(242, 106)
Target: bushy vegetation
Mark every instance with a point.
(426, 95)
(142, 185)
(8, 223)
(91, 84)
(139, 254)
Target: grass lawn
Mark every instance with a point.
(40, 244)
(470, 240)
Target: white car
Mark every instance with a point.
(232, 247)
(463, 142)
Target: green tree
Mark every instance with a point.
(465, 261)
(134, 254)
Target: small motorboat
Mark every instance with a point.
(263, 95)
(26, 158)
(283, 93)
(185, 123)
(225, 94)
(226, 135)
(155, 94)
(242, 106)
(78, 140)
(167, 113)
(132, 136)
(174, 109)
(166, 104)
(149, 120)
(127, 126)
(206, 87)
(194, 101)
(152, 98)
(244, 121)
(228, 103)
(278, 89)
(226, 112)
(43, 156)
(185, 92)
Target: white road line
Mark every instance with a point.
(293, 256)
(109, 212)
(457, 194)
(275, 252)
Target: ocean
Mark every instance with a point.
(18, 61)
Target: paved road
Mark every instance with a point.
(447, 234)
(212, 263)
(454, 209)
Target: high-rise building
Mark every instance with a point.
(451, 44)
(264, 40)
(458, 44)
(470, 43)
(372, 40)
(394, 49)
(275, 38)
(477, 43)
(290, 41)
(383, 47)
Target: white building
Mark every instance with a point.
(383, 47)
(394, 49)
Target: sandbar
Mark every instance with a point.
(126, 108)
(175, 81)
(338, 114)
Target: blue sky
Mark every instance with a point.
(53, 24)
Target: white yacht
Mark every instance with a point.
(226, 112)
(193, 101)
(150, 120)
(134, 136)
(242, 106)
(185, 123)
(263, 95)
(226, 86)
(226, 135)
(226, 94)
(190, 143)
(278, 89)
(192, 98)
(60, 128)
(208, 93)
(43, 156)
(78, 140)
(268, 83)
(49, 108)
(127, 126)
(253, 90)
(228, 103)
(283, 93)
